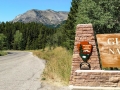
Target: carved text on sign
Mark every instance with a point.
(114, 51)
(112, 41)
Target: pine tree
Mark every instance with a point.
(69, 26)
(28, 44)
(2, 41)
(18, 38)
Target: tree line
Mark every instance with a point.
(22, 36)
(103, 14)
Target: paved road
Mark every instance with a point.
(20, 71)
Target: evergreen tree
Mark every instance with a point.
(34, 35)
(69, 26)
(39, 39)
(2, 41)
(18, 38)
(28, 44)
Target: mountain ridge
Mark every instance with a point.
(47, 17)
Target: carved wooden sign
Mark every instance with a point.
(109, 48)
(86, 47)
(85, 50)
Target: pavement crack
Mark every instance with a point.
(31, 77)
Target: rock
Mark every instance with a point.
(114, 79)
(85, 66)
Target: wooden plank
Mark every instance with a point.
(109, 48)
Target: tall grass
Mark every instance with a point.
(2, 53)
(58, 64)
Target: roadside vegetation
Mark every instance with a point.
(58, 64)
(2, 53)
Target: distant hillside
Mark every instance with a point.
(47, 17)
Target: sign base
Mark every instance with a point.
(85, 66)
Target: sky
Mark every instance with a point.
(9, 9)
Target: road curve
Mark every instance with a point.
(20, 70)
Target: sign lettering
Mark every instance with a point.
(114, 51)
(112, 41)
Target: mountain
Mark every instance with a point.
(47, 17)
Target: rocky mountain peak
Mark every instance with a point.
(47, 17)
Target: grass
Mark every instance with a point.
(58, 64)
(2, 53)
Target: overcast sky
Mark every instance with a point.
(9, 9)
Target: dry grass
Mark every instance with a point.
(2, 53)
(58, 64)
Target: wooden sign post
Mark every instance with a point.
(109, 48)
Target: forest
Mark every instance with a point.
(21, 36)
(103, 14)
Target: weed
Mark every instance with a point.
(58, 63)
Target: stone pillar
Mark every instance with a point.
(84, 32)
(95, 77)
